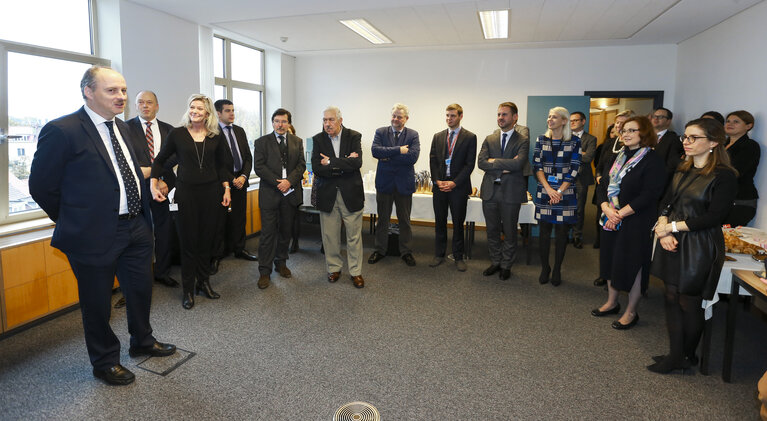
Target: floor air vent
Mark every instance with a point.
(357, 411)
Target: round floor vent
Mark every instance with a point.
(357, 411)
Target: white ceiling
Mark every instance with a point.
(311, 26)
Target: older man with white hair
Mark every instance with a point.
(336, 162)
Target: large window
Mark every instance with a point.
(45, 47)
(239, 77)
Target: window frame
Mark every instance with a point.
(230, 84)
(38, 51)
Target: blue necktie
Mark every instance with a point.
(131, 189)
(235, 151)
(503, 143)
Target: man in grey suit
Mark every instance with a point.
(504, 158)
(585, 176)
(278, 158)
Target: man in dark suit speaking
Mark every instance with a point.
(504, 158)
(585, 175)
(278, 158)
(147, 135)
(396, 148)
(451, 160)
(85, 176)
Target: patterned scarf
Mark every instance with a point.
(617, 172)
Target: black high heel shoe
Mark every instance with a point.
(544, 278)
(556, 278)
(203, 287)
(597, 313)
(188, 301)
(666, 366)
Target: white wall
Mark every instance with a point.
(365, 85)
(160, 52)
(723, 69)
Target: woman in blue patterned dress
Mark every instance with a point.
(556, 162)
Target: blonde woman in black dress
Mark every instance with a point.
(201, 186)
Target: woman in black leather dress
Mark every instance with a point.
(690, 251)
(744, 156)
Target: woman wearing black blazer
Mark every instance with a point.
(628, 195)
(202, 155)
(744, 155)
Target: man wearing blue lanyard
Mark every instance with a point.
(451, 161)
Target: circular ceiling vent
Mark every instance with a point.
(357, 411)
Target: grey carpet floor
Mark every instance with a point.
(417, 343)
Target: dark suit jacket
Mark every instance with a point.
(513, 182)
(670, 150)
(395, 169)
(267, 163)
(74, 182)
(247, 157)
(588, 151)
(138, 137)
(462, 164)
(343, 173)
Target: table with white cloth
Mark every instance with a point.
(423, 210)
(725, 286)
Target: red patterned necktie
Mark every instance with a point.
(150, 140)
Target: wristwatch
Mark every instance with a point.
(559, 191)
(673, 227)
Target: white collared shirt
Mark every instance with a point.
(99, 122)
(156, 135)
(579, 134)
(661, 133)
(336, 142)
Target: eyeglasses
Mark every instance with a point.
(660, 116)
(690, 139)
(629, 131)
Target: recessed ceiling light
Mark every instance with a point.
(366, 30)
(495, 23)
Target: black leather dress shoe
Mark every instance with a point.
(157, 349)
(246, 255)
(116, 375)
(620, 326)
(375, 258)
(614, 310)
(578, 243)
(505, 274)
(214, 263)
(120, 303)
(188, 301)
(692, 359)
(600, 282)
(491, 270)
(409, 259)
(167, 281)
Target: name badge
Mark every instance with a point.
(552, 179)
(173, 207)
(447, 161)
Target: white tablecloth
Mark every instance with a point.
(742, 262)
(422, 208)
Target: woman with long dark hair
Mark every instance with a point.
(689, 253)
(744, 154)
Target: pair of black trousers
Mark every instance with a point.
(276, 231)
(230, 231)
(456, 202)
(199, 206)
(130, 259)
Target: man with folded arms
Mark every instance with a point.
(396, 147)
